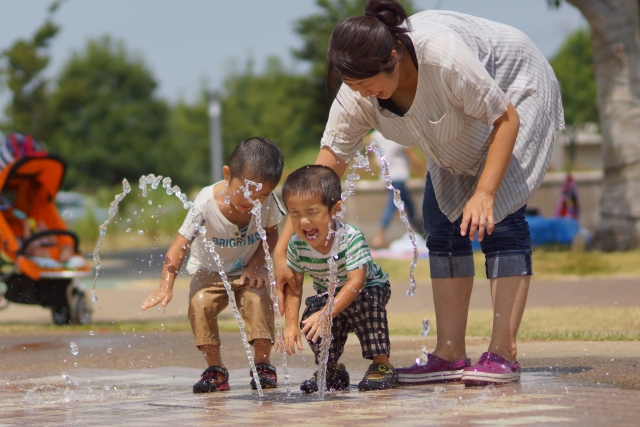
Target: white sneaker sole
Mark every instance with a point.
(430, 377)
(486, 378)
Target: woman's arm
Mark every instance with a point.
(478, 212)
(284, 275)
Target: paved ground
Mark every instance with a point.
(144, 379)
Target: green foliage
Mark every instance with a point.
(22, 67)
(273, 105)
(189, 135)
(109, 124)
(573, 65)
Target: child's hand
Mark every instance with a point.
(291, 336)
(159, 296)
(314, 325)
(256, 275)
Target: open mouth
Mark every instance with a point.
(311, 234)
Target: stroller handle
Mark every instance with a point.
(46, 233)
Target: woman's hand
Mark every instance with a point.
(284, 277)
(478, 213)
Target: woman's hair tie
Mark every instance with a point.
(374, 14)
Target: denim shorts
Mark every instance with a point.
(507, 249)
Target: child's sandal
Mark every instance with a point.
(214, 378)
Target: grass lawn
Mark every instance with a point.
(555, 324)
(548, 263)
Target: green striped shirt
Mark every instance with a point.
(354, 253)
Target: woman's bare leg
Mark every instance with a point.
(509, 297)
(451, 300)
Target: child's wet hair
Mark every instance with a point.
(314, 181)
(258, 159)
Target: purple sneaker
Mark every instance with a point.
(436, 370)
(491, 369)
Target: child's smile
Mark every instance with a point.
(312, 221)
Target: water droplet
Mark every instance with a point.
(135, 212)
(92, 333)
(426, 327)
(128, 219)
(150, 202)
(140, 232)
(75, 364)
(142, 210)
(159, 206)
(74, 348)
(439, 390)
(66, 379)
(128, 230)
(109, 350)
(227, 199)
(448, 342)
(94, 297)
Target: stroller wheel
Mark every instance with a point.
(60, 314)
(80, 308)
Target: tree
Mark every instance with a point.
(616, 58)
(22, 67)
(573, 66)
(315, 31)
(274, 105)
(189, 137)
(109, 125)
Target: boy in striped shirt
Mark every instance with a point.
(312, 197)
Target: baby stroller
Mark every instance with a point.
(39, 258)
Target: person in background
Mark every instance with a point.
(401, 161)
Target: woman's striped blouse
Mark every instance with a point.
(469, 70)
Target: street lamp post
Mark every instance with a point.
(215, 133)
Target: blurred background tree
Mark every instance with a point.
(273, 105)
(21, 68)
(108, 123)
(573, 65)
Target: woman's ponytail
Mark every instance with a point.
(390, 13)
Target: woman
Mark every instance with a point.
(483, 104)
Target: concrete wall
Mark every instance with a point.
(365, 208)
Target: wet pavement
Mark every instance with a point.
(133, 379)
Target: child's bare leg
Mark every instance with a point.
(382, 359)
(211, 353)
(262, 350)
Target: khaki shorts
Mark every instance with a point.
(208, 297)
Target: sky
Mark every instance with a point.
(192, 43)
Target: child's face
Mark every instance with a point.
(235, 191)
(312, 220)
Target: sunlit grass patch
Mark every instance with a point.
(556, 324)
(548, 263)
(226, 323)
